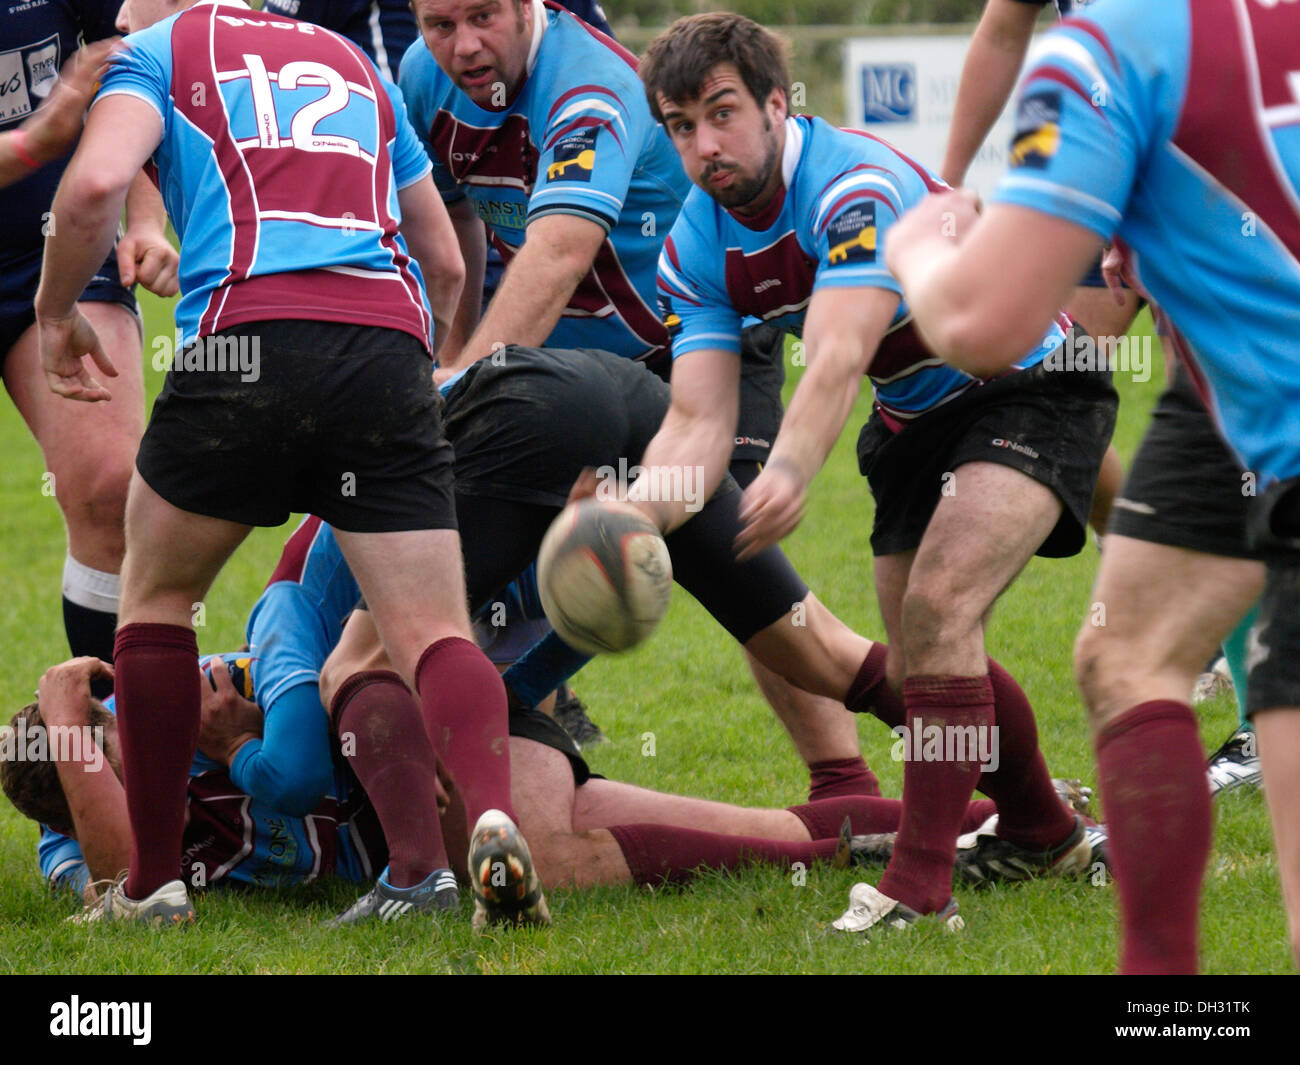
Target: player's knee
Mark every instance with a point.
(1096, 668)
(934, 616)
(93, 497)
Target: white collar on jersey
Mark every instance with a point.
(793, 148)
(223, 3)
(539, 28)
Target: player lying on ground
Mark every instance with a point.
(513, 469)
(43, 111)
(1170, 127)
(383, 789)
(336, 413)
(970, 480)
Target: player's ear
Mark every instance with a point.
(777, 106)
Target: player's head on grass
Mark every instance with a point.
(720, 84)
(29, 772)
(482, 45)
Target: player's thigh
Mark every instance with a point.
(980, 537)
(1157, 613)
(603, 803)
(84, 443)
(172, 557)
(541, 789)
(414, 585)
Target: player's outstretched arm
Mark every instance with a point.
(558, 251)
(120, 135)
(53, 129)
(697, 433)
(997, 50)
(843, 329)
(96, 798)
(432, 241)
(983, 289)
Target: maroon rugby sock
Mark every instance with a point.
(393, 759)
(156, 681)
(659, 854)
(463, 701)
(1030, 812)
(870, 692)
(1157, 803)
(838, 777)
(936, 791)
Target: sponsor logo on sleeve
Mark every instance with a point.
(852, 234)
(575, 157)
(1038, 130)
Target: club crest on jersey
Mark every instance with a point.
(1038, 130)
(671, 319)
(575, 157)
(852, 234)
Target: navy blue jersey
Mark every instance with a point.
(36, 38)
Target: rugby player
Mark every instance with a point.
(970, 479)
(537, 125)
(41, 115)
(281, 211)
(589, 830)
(997, 52)
(1192, 163)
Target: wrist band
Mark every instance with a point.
(20, 149)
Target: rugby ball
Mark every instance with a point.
(604, 576)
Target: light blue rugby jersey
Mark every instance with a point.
(577, 139)
(1175, 126)
(826, 229)
(282, 154)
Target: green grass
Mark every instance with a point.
(713, 737)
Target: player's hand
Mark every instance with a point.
(585, 486)
(64, 690)
(227, 720)
(771, 508)
(442, 374)
(65, 342)
(942, 217)
(55, 126)
(144, 254)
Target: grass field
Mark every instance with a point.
(713, 737)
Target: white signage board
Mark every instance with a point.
(903, 90)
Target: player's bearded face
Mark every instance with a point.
(746, 183)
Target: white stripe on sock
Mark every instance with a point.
(91, 588)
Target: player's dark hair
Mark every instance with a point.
(679, 60)
(33, 786)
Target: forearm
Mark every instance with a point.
(473, 247)
(96, 798)
(83, 223)
(699, 444)
(144, 205)
(993, 63)
(821, 404)
(537, 286)
(289, 767)
(17, 159)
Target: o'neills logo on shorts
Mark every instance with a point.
(1024, 449)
